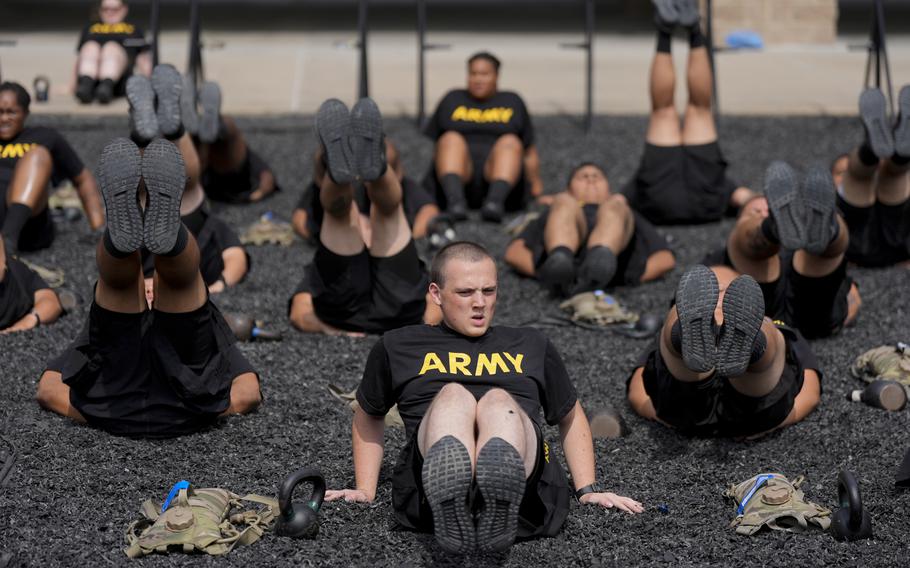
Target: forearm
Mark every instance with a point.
(367, 443)
(578, 446)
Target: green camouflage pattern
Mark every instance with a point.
(889, 362)
(597, 308)
(392, 418)
(268, 230)
(54, 277)
(778, 504)
(199, 520)
(65, 197)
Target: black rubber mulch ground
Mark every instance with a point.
(74, 490)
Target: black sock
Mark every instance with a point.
(899, 160)
(499, 191)
(110, 248)
(17, 215)
(182, 239)
(769, 230)
(866, 155)
(453, 188)
(758, 347)
(696, 38)
(663, 41)
(561, 250)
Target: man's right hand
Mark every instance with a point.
(349, 495)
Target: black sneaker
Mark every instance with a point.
(447, 482)
(902, 130)
(141, 97)
(85, 89)
(819, 209)
(456, 207)
(785, 204)
(688, 15)
(367, 140)
(874, 114)
(189, 116)
(557, 273)
(333, 131)
(501, 482)
(118, 178)
(744, 309)
(696, 300)
(165, 178)
(666, 15)
(596, 271)
(209, 121)
(492, 211)
(168, 84)
(104, 92)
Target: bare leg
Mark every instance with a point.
(54, 395)
(749, 249)
(566, 225)
(30, 180)
(452, 413)
(179, 287)
(698, 123)
(422, 220)
(113, 61)
(227, 153)
(499, 415)
(453, 157)
(389, 231)
(121, 286)
(193, 193)
(615, 225)
(505, 160)
(245, 395)
(763, 376)
(663, 125)
(88, 63)
(893, 184)
(858, 186)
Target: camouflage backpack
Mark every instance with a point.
(771, 500)
(891, 362)
(204, 520)
(268, 230)
(597, 308)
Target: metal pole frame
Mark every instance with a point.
(363, 89)
(422, 48)
(878, 54)
(709, 37)
(588, 46)
(154, 29)
(194, 64)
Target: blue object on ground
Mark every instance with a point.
(744, 39)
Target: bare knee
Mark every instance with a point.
(494, 398)
(245, 394)
(615, 205)
(112, 49)
(49, 387)
(450, 139)
(509, 143)
(564, 200)
(454, 392)
(90, 49)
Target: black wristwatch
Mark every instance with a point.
(593, 488)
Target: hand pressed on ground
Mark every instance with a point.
(610, 500)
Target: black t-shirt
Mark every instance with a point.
(410, 365)
(129, 36)
(67, 164)
(630, 262)
(481, 122)
(17, 291)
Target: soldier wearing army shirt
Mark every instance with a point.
(471, 396)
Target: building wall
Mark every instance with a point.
(778, 21)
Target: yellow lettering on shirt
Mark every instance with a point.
(120, 28)
(14, 150)
(458, 363)
(516, 360)
(489, 364)
(432, 362)
(482, 116)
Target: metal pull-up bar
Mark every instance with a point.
(194, 63)
(363, 89)
(588, 46)
(878, 54)
(154, 25)
(422, 48)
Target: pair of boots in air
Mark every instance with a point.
(166, 105)
(884, 139)
(353, 141)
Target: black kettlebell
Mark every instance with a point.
(851, 521)
(42, 87)
(300, 520)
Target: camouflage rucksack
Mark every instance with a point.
(200, 520)
(770, 499)
(268, 230)
(891, 362)
(597, 308)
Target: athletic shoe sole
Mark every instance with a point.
(744, 309)
(902, 130)
(447, 481)
(666, 16)
(188, 113)
(168, 84)
(696, 300)
(501, 481)
(333, 131)
(785, 204)
(118, 176)
(819, 204)
(557, 273)
(874, 114)
(210, 101)
(688, 15)
(367, 142)
(165, 177)
(141, 97)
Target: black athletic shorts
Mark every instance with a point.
(38, 232)
(151, 374)
(543, 509)
(681, 184)
(879, 234)
(236, 186)
(712, 407)
(476, 189)
(365, 293)
(816, 306)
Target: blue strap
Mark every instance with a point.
(759, 481)
(182, 484)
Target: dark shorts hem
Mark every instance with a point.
(38, 233)
(879, 234)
